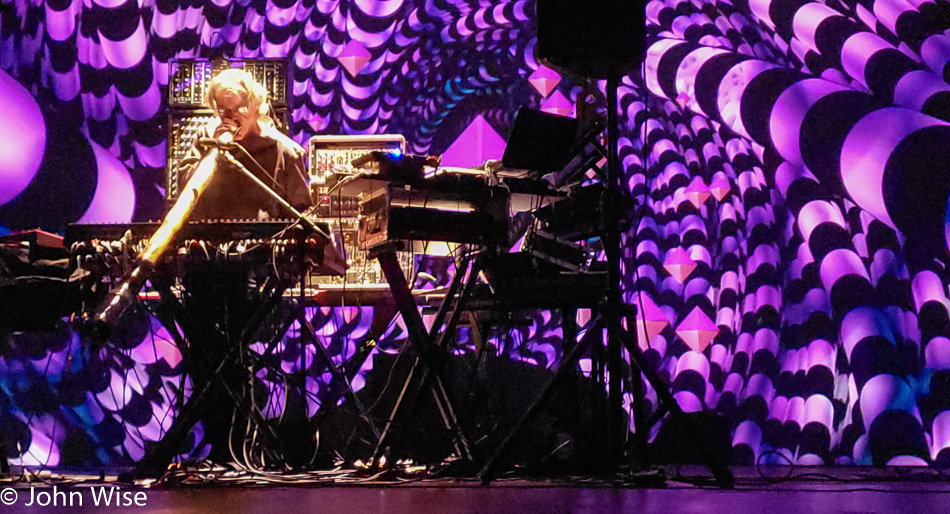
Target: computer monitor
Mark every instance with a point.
(540, 142)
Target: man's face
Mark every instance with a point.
(233, 109)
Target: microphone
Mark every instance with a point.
(223, 140)
(226, 137)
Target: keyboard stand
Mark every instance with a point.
(430, 358)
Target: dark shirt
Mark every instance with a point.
(232, 195)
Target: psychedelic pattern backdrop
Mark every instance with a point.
(789, 158)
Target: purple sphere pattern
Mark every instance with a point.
(791, 149)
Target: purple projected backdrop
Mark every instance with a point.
(790, 156)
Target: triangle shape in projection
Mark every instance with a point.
(679, 264)
(476, 144)
(719, 187)
(558, 104)
(697, 193)
(650, 320)
(353, 57)
(697, 330)
(544, 80)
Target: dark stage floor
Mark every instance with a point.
(814, 491)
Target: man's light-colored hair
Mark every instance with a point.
(238, 79)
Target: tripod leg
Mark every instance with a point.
(639, 417)
(616, 426)
(719, 469)
(570, 359)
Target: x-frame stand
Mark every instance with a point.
(429, 347)
(171, 311)
(618, 338)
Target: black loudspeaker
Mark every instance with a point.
(592, 38)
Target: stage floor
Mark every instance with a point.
(816, 490)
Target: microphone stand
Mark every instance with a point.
(299, 217)
(98, 326)
(334, 264)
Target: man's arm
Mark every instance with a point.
(293, 177)
(295, 180)
(187, 165)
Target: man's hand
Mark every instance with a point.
(225, 127)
